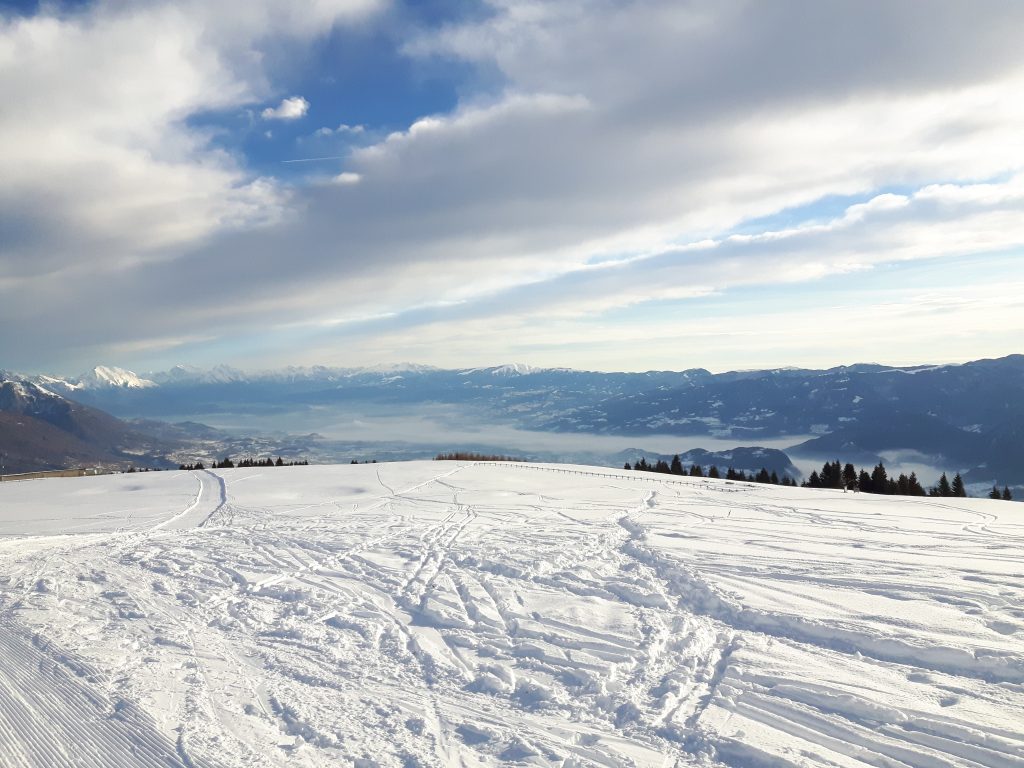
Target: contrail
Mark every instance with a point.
(314, 159)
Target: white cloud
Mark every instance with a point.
(343, 128)
(289, 109)
(620, 131)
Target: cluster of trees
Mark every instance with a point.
(834, 475)
(1005, 495)
(470, 456)
(695, 470)
(227, 463)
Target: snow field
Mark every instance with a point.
(436, 613)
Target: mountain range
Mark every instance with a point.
(967, 417)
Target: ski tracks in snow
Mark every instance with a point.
(434, 614)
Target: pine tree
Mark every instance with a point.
(677, 465)
(624, 466)
(943, 486)
(713, 472)
(696, 471)
(774, 479)
(958, 486)
(864, 482)
(915, 487)
(814, 481)
(994, 493)
(880, 479)
(1007, 496)
(903, 485)
(849, 476)
(763, 476)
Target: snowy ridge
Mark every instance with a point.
(107, 376)
(179, 374)
(509, 369)
(439, 613)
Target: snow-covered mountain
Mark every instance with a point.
(448, 614)
(40, 430)
(967, 418)
(192, 375)
(102, 377)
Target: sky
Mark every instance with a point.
(583, 183)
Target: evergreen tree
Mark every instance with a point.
(696, 471)
(864, 482)
(774, 479)
(814, 481)
(849, 476)
(730, 474)
(958, 486)
(994, 493)
(880, 479)
(943, 486)
(677, 465)
(762, 476)
(1007, 496)
(914, 485)
(903, 485)
(832, 475)
(625, 466)
(713, 472)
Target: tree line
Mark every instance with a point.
(228, 463)
(696, 470)
(470, 456)
(832, 475)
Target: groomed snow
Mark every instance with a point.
(435, 613)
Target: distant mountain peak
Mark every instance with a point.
(190, 374)
(108, 376)
(398, 368)
(508, 369)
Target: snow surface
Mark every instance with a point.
(434, 613)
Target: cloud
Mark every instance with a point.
(289, 109)
(600, 161)
(102, 169)
(343, 128)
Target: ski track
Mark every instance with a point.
(429, 613)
